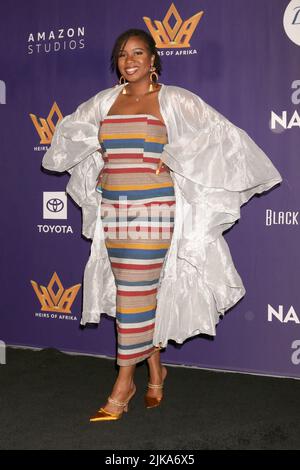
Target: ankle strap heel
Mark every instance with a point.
(155, 385)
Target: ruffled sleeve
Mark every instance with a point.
(75, 137)
(213, 152)
(75, 148)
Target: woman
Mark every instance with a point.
(176, 282)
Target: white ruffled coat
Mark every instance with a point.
(216, 167)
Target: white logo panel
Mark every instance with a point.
(54, 205)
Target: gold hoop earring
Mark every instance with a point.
(151, 86)
(121, 82)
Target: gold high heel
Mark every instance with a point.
(103, 415)
(153, 402)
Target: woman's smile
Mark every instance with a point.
(131, 70)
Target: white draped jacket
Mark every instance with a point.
(215, 167)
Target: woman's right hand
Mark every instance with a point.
(160, 165)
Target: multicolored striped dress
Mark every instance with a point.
(137, 212)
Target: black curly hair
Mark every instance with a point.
(121, 41)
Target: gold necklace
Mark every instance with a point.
(138, 97)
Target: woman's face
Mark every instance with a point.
(135, 60)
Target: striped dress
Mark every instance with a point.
(137, 212)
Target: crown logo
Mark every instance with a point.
(177, 36)
(46, 127)
(61, 301)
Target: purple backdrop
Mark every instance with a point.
(241, 60)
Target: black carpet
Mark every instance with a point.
(46, 398)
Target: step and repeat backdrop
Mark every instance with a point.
(242, 58)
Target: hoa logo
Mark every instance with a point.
(59, 301)
(291, 21)
(2, 92)
(177, 36)
(46, 127)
